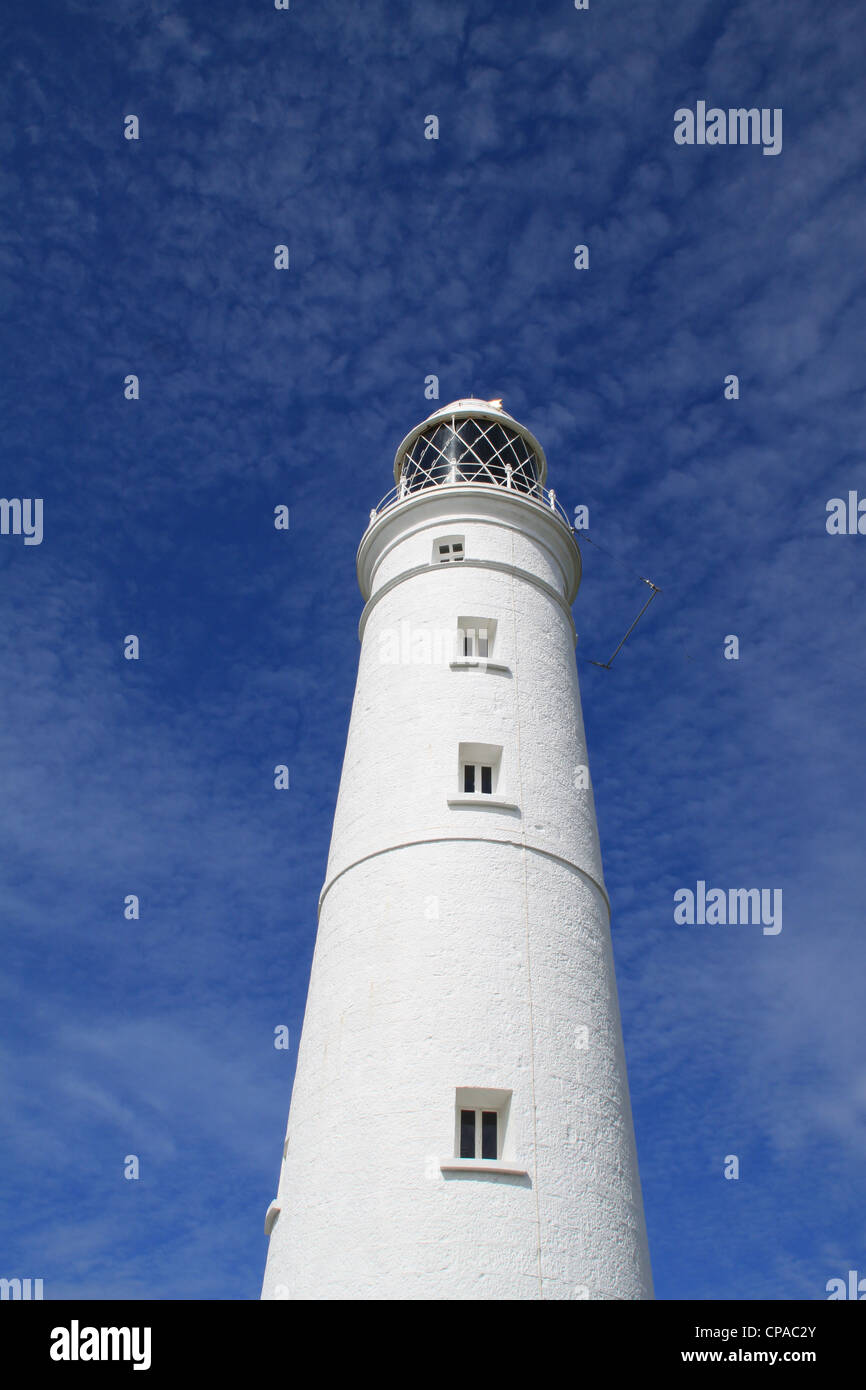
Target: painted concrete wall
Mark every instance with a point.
(462, 945)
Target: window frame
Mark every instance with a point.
(450, 545)
(476, 639)
(477, 778)
(476, 644)
(482, 1100)
(481, 756)
(478, 1136)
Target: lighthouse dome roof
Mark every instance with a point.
(470, 441)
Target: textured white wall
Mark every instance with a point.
(462, 946)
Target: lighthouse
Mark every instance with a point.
(460, 1124)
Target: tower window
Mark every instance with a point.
(447, 549)
(475, 637)
(482, 1123)
(478, 777)
(479, 1134)
(480, 765)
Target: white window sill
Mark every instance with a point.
(483, 799)
(482, 1165)
(480, 663)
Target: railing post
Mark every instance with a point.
(552, 496)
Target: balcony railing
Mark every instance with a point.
(545, 497)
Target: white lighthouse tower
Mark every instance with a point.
(460, 1125)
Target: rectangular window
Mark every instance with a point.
(447, 549)
(476, 638)
(478, 777)
(479, 770)
(483, 1130)
(475, 642)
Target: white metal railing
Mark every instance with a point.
(543, 496)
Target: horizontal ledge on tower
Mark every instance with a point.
(482, 1165)
(482, 799)
(271, 1215)
(480, 663)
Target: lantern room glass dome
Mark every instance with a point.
(470, 441)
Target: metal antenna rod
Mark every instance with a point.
(606, 665)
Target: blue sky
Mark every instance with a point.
(411, 257)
